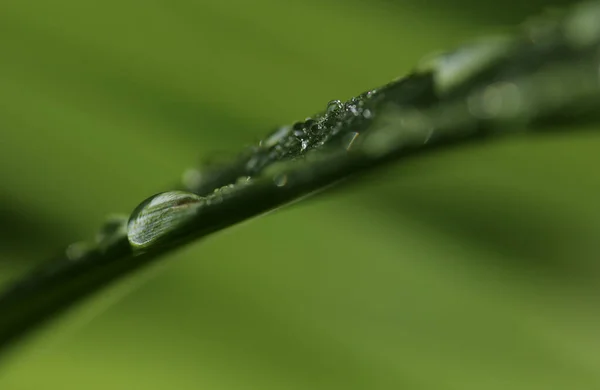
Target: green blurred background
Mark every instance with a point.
(473, 268)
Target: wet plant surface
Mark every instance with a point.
(482, 91)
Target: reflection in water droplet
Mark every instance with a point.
(159, 215)
(280, 180)
(334, 105)
(113, 229)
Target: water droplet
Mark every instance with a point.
(582, 27)
(280, 180)
(113, 229)
(243, 180)
(298, 126)
(191, 178)
(253, 163)
(275, 137)
(398, 127)
(299, 133)
(353, 110)
(309, 122)
(334, 105)
(77, 250)
(501, 100)
(304, 144)
(160, 214)
(314, 128)
(367, 113)
(451, 69)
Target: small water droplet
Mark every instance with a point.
(191, 178)
(501, 100)
(113, 229)
(275, 137)
(353, 110)
(367, 114)
(77, 250)
(298, 126)
(160, 214)
(243, 180)
(314, 128)
(253, 163)
(299, 133)
(304, 144)
(280, 180)
(451, 69)
(334, 105)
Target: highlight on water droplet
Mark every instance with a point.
(280, 180)
(159, 215)
(334, 105)
(275, 137)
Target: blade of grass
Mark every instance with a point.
(493, 87)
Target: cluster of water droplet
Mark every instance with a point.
(424, 106)
(339, 124)
(289, 142)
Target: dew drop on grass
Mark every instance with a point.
(280, 180)
(275, 137)
(192, 178)
(78, 250)
(159, 215)
(334, 106)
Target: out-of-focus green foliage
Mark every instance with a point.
(474, 268)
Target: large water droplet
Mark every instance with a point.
(334, 105)
(159, 215)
